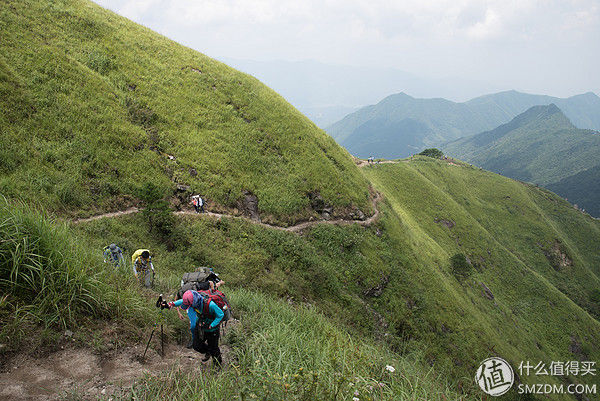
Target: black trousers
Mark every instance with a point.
(207, 342)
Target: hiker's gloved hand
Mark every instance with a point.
(170, 305)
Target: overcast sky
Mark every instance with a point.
(540, 46)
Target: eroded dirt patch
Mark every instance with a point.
(81, 371)
(557, 256)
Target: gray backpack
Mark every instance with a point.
(197, 281)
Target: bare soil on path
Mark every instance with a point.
(297, 228)
(89, 376)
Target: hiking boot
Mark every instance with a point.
(206, 357)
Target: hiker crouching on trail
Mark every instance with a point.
(113, 254)
(143, 269)
(204, 323)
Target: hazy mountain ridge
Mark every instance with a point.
(541, 146)
(448, 120)
(321, 90)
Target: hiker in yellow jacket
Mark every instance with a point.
(143, 269)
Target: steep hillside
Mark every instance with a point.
(72, 328)
(581, 189)
(540, 146)
(528, 293)
(401, 125)
(94, 105)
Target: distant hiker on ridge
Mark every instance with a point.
(198, 203)
(143, 269)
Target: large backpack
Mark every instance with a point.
(218, 298)
(192, 281)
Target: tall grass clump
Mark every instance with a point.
(40, 267)
(48, 278)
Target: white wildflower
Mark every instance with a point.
(390, 368)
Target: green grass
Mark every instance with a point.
(51, 280)
(394, 277)
(280, 352)
(93, 104)
(504, 228)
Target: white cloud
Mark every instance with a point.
(472, 37)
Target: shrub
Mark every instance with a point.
(157, 211)
(461, 269)
(432, 152)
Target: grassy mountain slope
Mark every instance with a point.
(534, 252)
(53, 278)
(540, 146)
(392, 282)
(382, 130)
(93, 105)
(581, 189)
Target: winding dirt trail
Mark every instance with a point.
(81, 371)
(297, 228)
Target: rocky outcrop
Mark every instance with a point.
(249, 205)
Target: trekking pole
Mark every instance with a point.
(162, 305)
(150, 339)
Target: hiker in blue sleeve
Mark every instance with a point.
(205, 317)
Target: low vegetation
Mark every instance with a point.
(281, 352)
(51, 280)
(99, 114)
(432, 152)
(278, 350)
(93, 105)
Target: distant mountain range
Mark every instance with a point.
(541, 146)
(401, 125)
(327, 92)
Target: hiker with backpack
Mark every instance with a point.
(143, 269)
(206, 310)
(202, 279)
(113, 254)
(198, 203)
